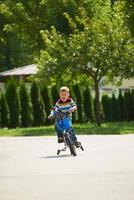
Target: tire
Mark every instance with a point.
(71, 146)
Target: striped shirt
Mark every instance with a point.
(65, 106)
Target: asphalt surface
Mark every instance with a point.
(30, 169)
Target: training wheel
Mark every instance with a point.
(58, 152)
(82, 148)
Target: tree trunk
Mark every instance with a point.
(97, 103)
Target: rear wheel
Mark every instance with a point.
(71, 146)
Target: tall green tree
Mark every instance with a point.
(13, 103)
(54, 94)
(37, 105)
(3, 111)
(129, 105)
(24, 105)
(132, 99)
(75, 114)
(121, 107)
(107, 107)
(115, 109)
(79, 102)
(88, 105)
(47, 101)
(99, 45)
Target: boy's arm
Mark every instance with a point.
(52, 111)
(73, 106)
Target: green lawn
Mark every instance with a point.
(84, 129)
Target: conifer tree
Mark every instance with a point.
(121, 107)
(47, 101)
(88, 105)
(79, 102)
(114, 109)
(24, 105)
(54, 94)
(13, 103)
(37, 105)
(3, 111)
(106, 104)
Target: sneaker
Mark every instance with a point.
(77, 144)
(60, 140)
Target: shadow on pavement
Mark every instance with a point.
(60, 156)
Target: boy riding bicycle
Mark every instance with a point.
(67, 106)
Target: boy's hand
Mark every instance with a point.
(73, 109)
(50, 117)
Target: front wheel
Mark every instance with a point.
(71, 146)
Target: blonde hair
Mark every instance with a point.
(64, 88)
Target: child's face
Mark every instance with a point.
(64, 95)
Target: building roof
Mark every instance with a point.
(21, 71)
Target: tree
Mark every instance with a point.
(37, 105)
(121, 107)
(128, 97)
(54, 94)
(47, 101)
(99, 46)
(75, 114)
(132, 98)
(3, 111)
(13, 103)
(24, 105)
(107, 109)
(88, 105)
(115, 109)
(79, 102)
(130, 12)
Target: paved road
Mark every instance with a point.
(30, 169)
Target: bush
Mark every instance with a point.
(24, 106)
(79, 102)
(88, 105)
(3, 111)
(37, 105)
(107, 110)
(13, 103)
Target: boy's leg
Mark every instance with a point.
(59, 134)
(73, 132)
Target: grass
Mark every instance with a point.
(83, 129)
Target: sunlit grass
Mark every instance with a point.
(84, 129)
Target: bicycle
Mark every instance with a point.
(68, 137)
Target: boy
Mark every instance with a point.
(65, 104)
